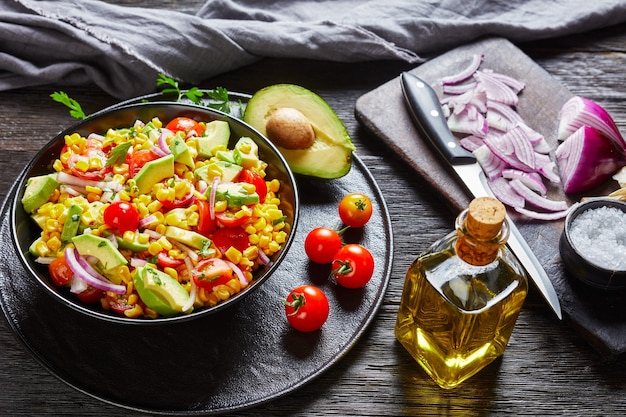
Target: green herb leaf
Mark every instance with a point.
(194, 94)
(220, 98)
(118, 154)
(75, 110)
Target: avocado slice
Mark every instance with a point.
(246, 153)
(72, 221)
(109, 256)
(215, 136)
(187, 237)
(159, 291)
(330, 155)
(225, 170)
(236, 194)
(38, 191)
(154, 172)
(181, 151)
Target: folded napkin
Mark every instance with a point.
(122, 49)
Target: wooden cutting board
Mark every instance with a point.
(599, 317)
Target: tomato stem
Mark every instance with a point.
(298, 301)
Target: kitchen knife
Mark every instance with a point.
(425, 109)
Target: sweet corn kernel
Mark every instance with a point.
(165, 243)
(253, 239)
(273, 186)
(280, 237)
(133, 299)
(171, 272)
(221, 206)
(54, 244)
(154, 248)
(251, 252)
(273, 246)
(58, 165)
(136, 311)
(233, 254)
(264, 241)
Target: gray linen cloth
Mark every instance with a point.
(122, 49)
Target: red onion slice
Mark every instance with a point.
(466, 72)
(96, 280)
(535, 199)
(237, 271)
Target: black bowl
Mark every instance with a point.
(579, 263)
(25, 231)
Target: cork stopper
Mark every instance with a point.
(485, 217)
(477, 243)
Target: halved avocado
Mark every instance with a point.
(330, 155)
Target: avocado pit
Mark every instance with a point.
(289, 128)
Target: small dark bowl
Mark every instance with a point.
(25, 231)
(577, 264)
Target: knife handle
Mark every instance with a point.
(426, 111)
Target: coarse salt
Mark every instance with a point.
(599, 235)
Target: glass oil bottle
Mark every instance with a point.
(461, 298)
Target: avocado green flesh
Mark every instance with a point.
(330, 156)
(91, 245)
(38, 191)
(154, 172)
(72, 221)
(159, 291)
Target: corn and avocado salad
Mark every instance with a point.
(156, 219)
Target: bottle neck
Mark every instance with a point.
(478, 251)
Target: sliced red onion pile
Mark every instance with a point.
(480, 106)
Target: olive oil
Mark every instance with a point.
(455, 317)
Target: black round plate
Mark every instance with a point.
(235, 359)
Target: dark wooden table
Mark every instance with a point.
(548, 369)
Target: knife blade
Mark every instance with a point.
(427, 114)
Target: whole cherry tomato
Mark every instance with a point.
(353, 266)
(60, 272)
(255, 179)
(321, 245)
(355, 210)
(211, 272)
(121, 215)
(306, 308)
(185, 124)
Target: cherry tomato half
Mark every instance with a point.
(206, 225)
(166, 261)
(255, 179)
(121, 215)
(138, 159)
(90, 295)
(321, 245)
(185, 124)
(306, 308)
(228, 219)
(211, 272)
(225, 237)
(92, 151)
(353, 266)
(60, 272)
(355, 210)
(117, 302)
